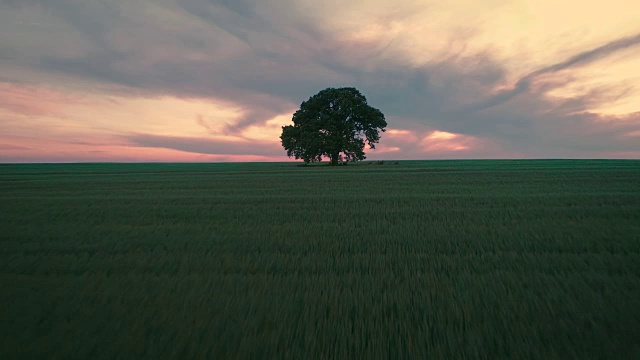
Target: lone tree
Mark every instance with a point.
(335, 123)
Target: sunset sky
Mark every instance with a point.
(215, 80)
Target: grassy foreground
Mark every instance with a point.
(437, 259)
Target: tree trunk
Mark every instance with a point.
(334, 159)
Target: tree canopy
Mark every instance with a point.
(334, 123)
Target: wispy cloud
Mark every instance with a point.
(205, 145)
(524, 84)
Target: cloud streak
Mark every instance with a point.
(583, 58)
(205, 146)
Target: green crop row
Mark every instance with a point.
(432, 259)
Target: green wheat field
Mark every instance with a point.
(410, 259)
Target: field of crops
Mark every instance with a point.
(481, 259)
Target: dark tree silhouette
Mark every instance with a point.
(335, 123)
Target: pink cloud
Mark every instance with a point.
(31, 100)
(400, 135)
(387, 149)
(438, 144)
(443, 142)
